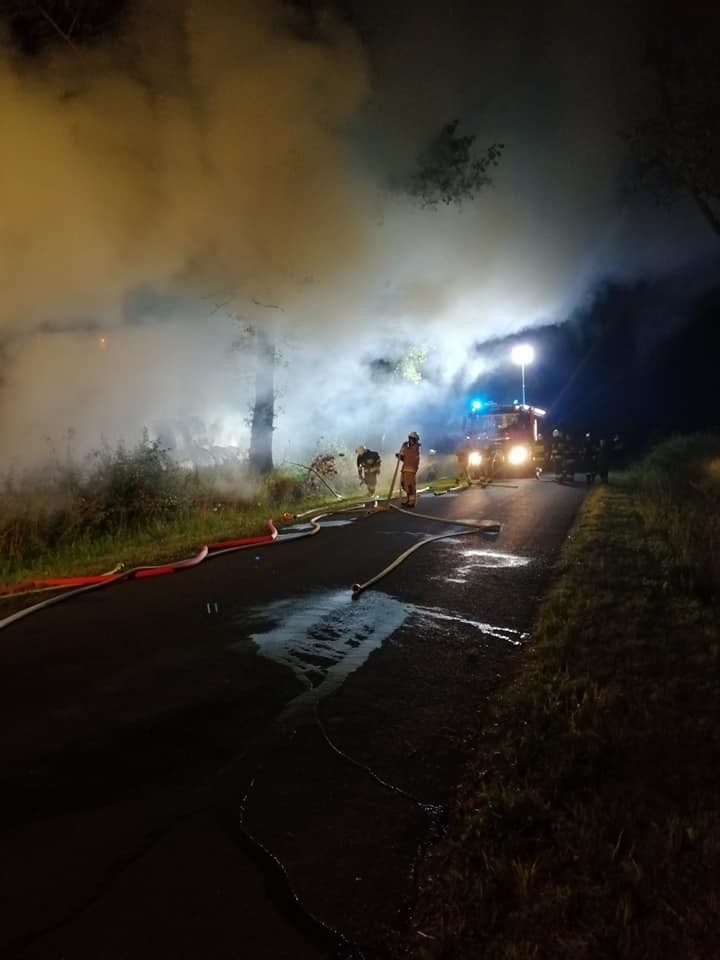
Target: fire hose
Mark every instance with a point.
(489, 527)
(321, 932)
(94, 582)
(358, 588)
(320, 477)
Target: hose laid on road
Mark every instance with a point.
(321, 932)
(154, 570)
(357, 588)
(488, 527)
(27, 587)
(55, 583)
(136, 573)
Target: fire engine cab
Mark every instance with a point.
(502, 438)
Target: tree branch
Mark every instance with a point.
(58, 29)
(78, 11)
(268, 306)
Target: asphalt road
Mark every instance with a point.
(241, 760)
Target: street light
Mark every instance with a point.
(522, 355)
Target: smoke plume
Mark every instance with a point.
(222, 166)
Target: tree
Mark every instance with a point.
(677, 146)
(410, 366)
(448, 172)
(261, 343)
(262, 421)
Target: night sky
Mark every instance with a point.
(176, 173)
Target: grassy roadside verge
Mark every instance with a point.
(146, 512)
(160, 542)
(590, 824)
(134, 506)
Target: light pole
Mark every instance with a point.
(522, 355)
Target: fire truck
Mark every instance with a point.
(501, 439)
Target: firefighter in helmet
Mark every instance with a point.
(562, 456)
(590, 456)
(463, 460)
(489, 462)
(557, 451)
(539, 454)
(368, 467)
(603, 460)
(409, 457)
(568, 462)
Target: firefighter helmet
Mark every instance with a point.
(360, 449)
(413, 435)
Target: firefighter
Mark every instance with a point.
(590, 459)
(539, 455)
(463, 458)
(562, 456)
(368, 467)
(557, 452)
(568, 461)
(603, 460)
(409, 457)
(489, 463)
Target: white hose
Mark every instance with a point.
(488, 526)
(357, 588)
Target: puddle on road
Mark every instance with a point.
(492, 527)
(325, 637)
(514, 637)
(305, 527)
(473, 558)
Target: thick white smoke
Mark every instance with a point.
(217, 167)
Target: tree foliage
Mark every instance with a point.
(678, 143)
(449, 172)
(410, 366)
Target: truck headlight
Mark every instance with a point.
(475, 459)
(518, 455)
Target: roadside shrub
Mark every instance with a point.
(118, 490)
(129, 489)
(679, 483)
(20, 534)
(282, 488)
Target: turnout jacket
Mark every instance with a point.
(410, 455)
(369, 460)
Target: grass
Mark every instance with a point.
(589, 825)
(138, 507)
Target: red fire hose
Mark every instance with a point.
(138, 573)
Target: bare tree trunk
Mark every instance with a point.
(263, 414)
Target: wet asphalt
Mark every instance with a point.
(244, 760)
